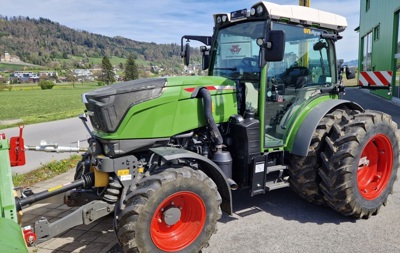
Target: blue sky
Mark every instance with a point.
(164, 21)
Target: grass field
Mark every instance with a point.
(33, 105)
(14, 67)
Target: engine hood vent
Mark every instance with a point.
(107, 106)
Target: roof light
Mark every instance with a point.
(219, 20)
(224, 18)
(252, 11)
(260, 10)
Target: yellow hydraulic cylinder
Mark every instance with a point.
(100, 178)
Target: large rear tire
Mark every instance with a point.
(360, 163)
(304, 179)
(172, 211)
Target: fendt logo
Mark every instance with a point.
(235, 49)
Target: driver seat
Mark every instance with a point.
(296, 76)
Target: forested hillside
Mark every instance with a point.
(42, 41)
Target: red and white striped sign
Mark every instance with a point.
(375, 78)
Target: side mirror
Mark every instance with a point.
(185, 50)
(274, 48)
(350, 72)
(186, 54)
(205, 52)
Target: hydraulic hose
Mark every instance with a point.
(207, 104)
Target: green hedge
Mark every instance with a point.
(46, 84)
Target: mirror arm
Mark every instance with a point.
(331, 36)
(207, 40)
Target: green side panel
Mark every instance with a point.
(298, 118)
(263, 92)
(380, 13)
(383, 93)
(11, 238)
(198, 81)
(7, 200)
(175, 111)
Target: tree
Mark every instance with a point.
(71, 78)
(108, 75)
(131, 69)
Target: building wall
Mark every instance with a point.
(382, 13)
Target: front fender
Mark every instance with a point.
(207, 166)
(305, 132)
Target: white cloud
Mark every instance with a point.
(163, 21)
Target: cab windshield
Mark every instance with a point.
(236, 52)
(307, 66)
(236, 55)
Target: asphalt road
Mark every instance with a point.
(65, 132)
(373, 102)
(280, 221)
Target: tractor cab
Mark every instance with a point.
(280, 57)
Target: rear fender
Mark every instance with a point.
(303, 136)
(207, 166)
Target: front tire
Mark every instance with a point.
(360, 164)
(175, 210)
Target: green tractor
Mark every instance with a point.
(165, 153)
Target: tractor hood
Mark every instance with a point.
(198, 81)
(107, 107)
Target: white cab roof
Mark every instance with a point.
(305, 15)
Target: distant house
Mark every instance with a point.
(24, 77)
(8, 58)
(48, 73)
(83, 75)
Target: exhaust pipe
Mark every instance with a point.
(207, 103)
(222, 158)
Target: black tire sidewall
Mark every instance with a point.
(169, 188)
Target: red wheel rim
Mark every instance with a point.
(188, 214)
(375, 167)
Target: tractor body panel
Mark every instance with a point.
(303, 131)
(171, 112)
(11, 237)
